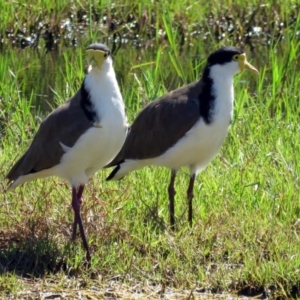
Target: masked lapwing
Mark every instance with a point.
(79, 137)
(185, 127)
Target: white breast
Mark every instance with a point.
(98, 146)
(203, 141)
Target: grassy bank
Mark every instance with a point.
(245, 238)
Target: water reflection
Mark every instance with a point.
(52, 55)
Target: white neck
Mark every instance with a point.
(104, 90)
(223, 90)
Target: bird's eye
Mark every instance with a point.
(105, 54)
(235, 57)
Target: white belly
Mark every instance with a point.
(197, 148)
(96, 148)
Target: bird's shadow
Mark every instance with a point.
(29, 256)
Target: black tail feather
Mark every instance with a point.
(113, 173)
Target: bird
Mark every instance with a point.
(186, 127)
(79, 137)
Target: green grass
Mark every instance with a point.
(247, 202)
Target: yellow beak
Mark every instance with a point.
(96, 57)
(244, 64)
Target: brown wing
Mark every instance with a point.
(161, 124)
(64, 125)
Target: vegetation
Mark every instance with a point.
(245, 238)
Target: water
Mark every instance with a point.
(45, 60)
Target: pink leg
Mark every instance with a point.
(77, 220)
(79, 195)
(190, 196)
(172, 193)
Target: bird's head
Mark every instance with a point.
(231, 58)
(98, 55)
